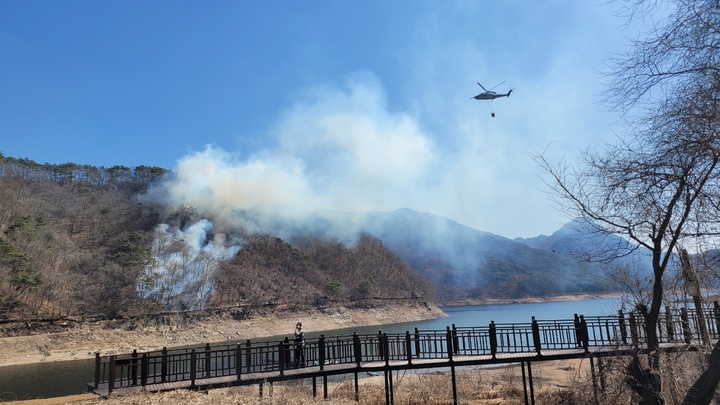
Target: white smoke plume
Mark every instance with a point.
(185, 265)
(335, 150)
(346, 148)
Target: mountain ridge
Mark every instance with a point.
(467, 263)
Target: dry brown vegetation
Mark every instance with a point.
(317, 272)
(75, 241)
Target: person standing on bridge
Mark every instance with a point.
(299, 346)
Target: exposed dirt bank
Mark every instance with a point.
(82, 341)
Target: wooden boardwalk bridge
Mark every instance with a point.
(214, 366)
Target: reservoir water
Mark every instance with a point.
(53, 379)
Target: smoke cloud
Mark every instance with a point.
(185, 265)
(334, 150)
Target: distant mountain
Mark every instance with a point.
(463, 262)
(581, 241)
(572, 239)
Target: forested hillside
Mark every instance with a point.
(71, 237)
(317, 272)
(78, 240)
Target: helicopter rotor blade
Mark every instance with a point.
(484, 89)
(498, 85)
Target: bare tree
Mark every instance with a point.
(659, 185)
(652, 189)
(676, 54)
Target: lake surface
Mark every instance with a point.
(482, 315)
(44, 380)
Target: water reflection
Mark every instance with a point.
(45, 380)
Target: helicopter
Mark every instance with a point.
(489, 94)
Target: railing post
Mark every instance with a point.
(321, 352)
(408, 347)
(193, 367)
(685, 325)
(133, 367)
(449, 343)
(578, 336)
(451, 350)
(381, 350)
(357, 349)
(111, 375)
(164, 365)
(98, 365)
(633, 329)
(536, 336)
(669, 324)
(144, 369)
(282, 356)
(623, 328)
(238, 360)
(208, 363)
(493, 339)
(386, 348)
(584, 334)
(248, 356)
(285, 353)
(456, 345)
(716, 312)
(417, 343)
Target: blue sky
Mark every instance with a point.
(298, 106)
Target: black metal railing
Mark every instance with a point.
(676, 325)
